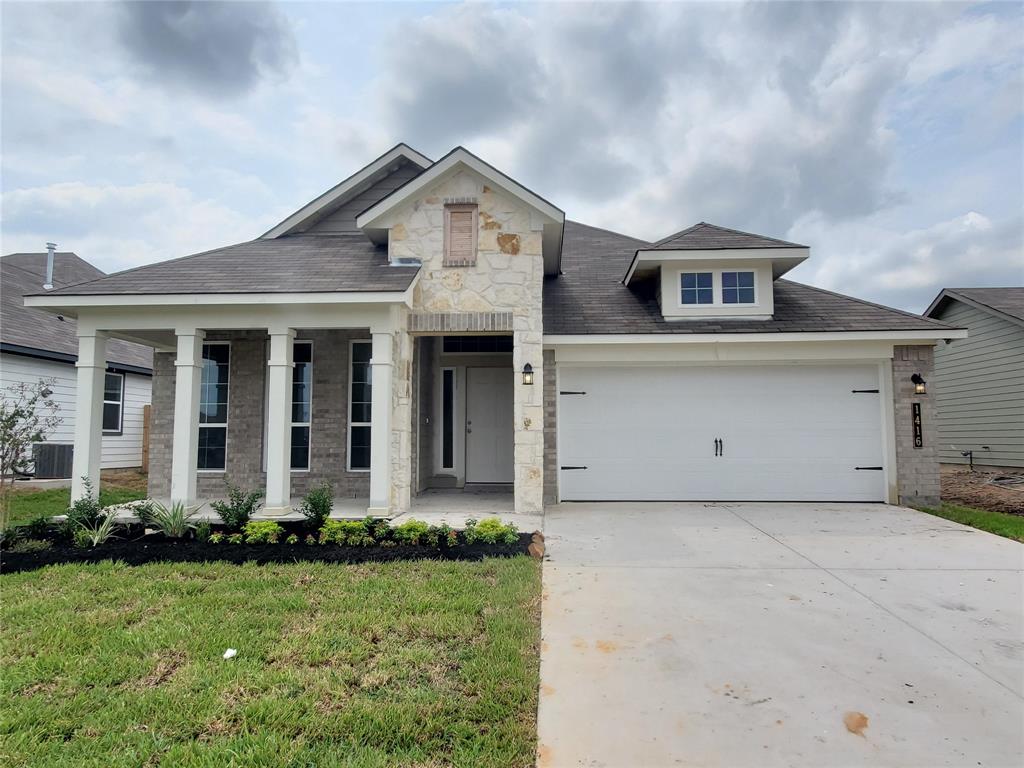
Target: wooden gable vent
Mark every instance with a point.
(459, 235)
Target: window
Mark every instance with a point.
(448, 418)
(302, 403)
(213, 407)
(360, 404)
(737, 287)
(697, 288)
(477, 344)
(113, 403)
(459, 235)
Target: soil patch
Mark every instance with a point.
(977, 489)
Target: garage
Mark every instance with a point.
(721, 433)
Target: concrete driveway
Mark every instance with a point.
(778, 634)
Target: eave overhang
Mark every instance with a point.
(647, 260)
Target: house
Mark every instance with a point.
(38, 345)
(435, 324)
(979, 381)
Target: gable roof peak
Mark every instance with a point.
(706, 236)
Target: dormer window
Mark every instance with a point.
(737, 287)
(460, 229)
(697, 288)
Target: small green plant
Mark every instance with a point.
(349, 533)
(292, 539)
(236, 538)
(310, 540)
(446, 535)
(380, 529)
(262, 532)
(316, 506)
(410, 532)
(240, 506)
(98, 532)
(31, 545)
(204, 531)
(37, 528)
(84, 510)
(490, 531)
(174, 523)
(217, 538)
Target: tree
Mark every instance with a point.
(28, 413)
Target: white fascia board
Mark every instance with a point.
(897, 337)
(339, 191)
(370, 218)
(221, 299)
(783, 259)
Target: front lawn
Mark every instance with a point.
(999, 523)
(401, 663)
(27, 505)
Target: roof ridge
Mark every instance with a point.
(903, 312)
(680, 233)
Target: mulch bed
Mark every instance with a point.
(154, 548)
(976, 489)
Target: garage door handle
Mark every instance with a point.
(716, 446)
(567, 392)
(573, 467)
(878, 469)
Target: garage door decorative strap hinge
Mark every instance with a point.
(573, 467)
(864, 391)
(879, 469)
(564, 392)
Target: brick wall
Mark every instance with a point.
(917, 468)
(550, 428)
(246, 405)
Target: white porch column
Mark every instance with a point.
(91, 371)
(185, 446)
(380, 429)
(279, 420)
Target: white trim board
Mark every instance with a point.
(897, 337)
(220, 299)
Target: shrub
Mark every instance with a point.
(85, 510)
(491, 531)
(316, 506)
(236, 538)
(174, 523)
(410, 532)
(446, 535)
(350, 533)
(262, 532)
(31, 545)
(240, 506)
(310, 539)
(37, 528)
(217, 538)
(292, 539)
(204, 531)
(380, 529)
(96, 533)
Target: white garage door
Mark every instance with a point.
(743, 433)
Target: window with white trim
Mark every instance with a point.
(360, 405)
(460, 235)
(113, 403)
(697, 288)
(302, 403)
(213, 407)
(738, 287)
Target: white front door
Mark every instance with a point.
(738, 433)
(489, 441)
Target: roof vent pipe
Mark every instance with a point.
(50, 248)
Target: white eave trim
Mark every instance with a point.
(706, 338)
(368, 219)
(339, 191)
(222, 299)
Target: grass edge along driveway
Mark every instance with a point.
(406, 663)
(1000, 523)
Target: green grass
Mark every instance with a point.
(419, 663)
(999, 523)
(27, 506)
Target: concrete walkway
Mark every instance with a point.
(778, 635)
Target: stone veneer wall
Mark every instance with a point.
(917, 468)
(246, 405)
(507, 277)
(550, 428)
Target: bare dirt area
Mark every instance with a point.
(981, 489)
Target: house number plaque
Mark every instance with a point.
(916, 414)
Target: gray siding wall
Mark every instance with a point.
(979, 389)
(344, 219)
(917, 469)
(246, 405)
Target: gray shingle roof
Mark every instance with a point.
(289, 264)
(1009, 301)
(589, 298)
(708, 237)
(34, 329)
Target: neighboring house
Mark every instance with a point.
(35, 345)
(436, 324)
(979, 381)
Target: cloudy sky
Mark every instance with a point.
(887, 137)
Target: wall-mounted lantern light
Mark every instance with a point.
(528, 374)
(919, 384)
